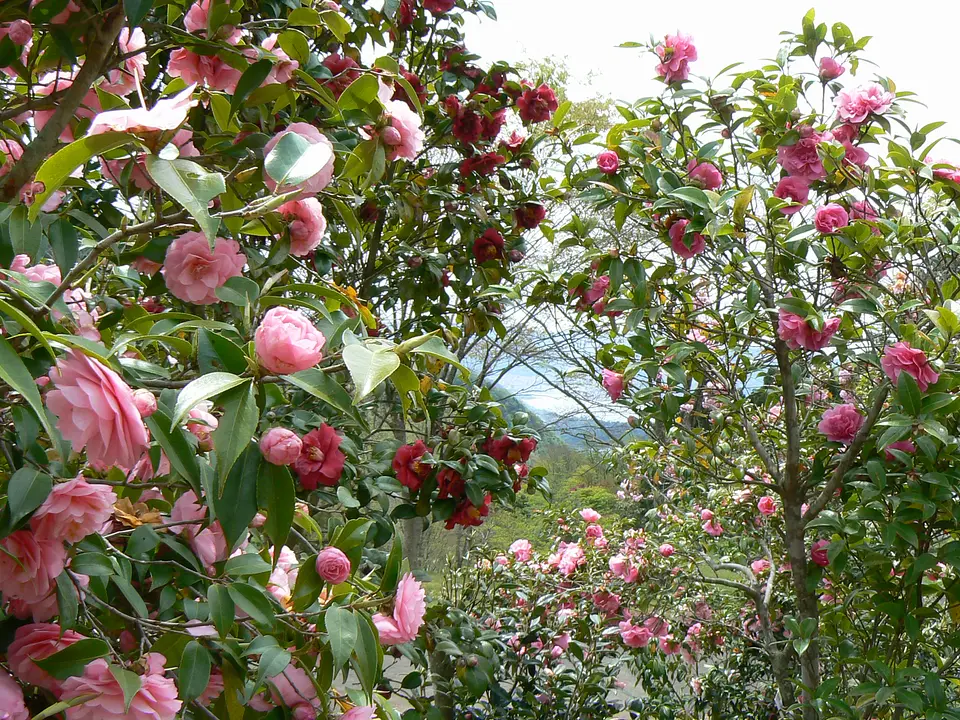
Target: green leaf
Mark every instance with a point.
(25, 235)
(237, 505)
(73, 659)
(908, 393)
(692, 195)
(368, 368)
(435, 347)
(194, 672)
(361, 95)
(15, 374)
(203, 388)
(68, 602)
(216, 352)
(57, 168)
(391, 571)
(136, 10)
(251, 79)
(273, 661)
(191, 186)
(368, 655)
(246, 564)
(221, 609)
(308, 586)
(342, 633)
(322, 386)
(337, 24)
(26, 491)
(253, 602)
(182, 457)
(64, 243)
(235, 430)
(277, 498)
(131, 595)
(129, 683)
(93, 564)
(294, 159)
(239, 291)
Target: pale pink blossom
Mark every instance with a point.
(830, 69)
(676, 53)
(767, 506)
(590, 515)
(287, 342)
(73, 510)
(132, 70)
(280, 446)
(367, 712)
(407, 139)
(841, 423)
(187, 514)
(945, 171)
(10, 152)
(801, 160)
(855, 106)
(759, 567)
(193, 272)
(56, 82)
(408, 611)
(904, 446)
(521, 550)
(294, 689)
(201, 424)
(900, 357)
(307, 224)
(795, 189)
(283, 67)
(830, 217)
(635, 636)
(704, 174)
(712, 527)
(145, 401)
(210, 71)
(613, 383)
(29, 565)
(95, 411)
(38, 641)
(167, 114)
(155, 700)
(666, 550)
(11, 699)
(197, 21)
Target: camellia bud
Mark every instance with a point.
(516, 255)
(391, 136)
(415, 261)
(20, 32)
(145, 401)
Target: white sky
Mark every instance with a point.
(914, 41)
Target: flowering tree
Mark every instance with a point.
(235, 259)
(780, 314)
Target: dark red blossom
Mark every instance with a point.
(411, 472)
(529, 215)
(481, 164)
(537, 104)
(321, 459)
(467, 514)
(488, 246)
(344, 71)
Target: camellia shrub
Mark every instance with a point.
(238, 258)
(779, 311)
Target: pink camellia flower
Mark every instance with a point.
(197, 21)
(312, 185)
(712, 527)
(760, 566)
(795, 189)
(73, 510)
(29, 565)
(333, 566)
(210, 71)
(598, 288)
(903, 358)
(40, 272)
(145, 401)
(536, 105)
(704, 174)
(280, 446)
(767, 506)
(214, 688)
(210, 546)
(830, 217)
(408, 611)
(407, 139)
(676, 53)
(321, 459)
(830, 69)
(193, 272)
(11, 699)
(657, 626)
(613, 383)
(635, 636)
(841, 423)
(132, 70)
(801, 159)
(155, 700)
(666, 550)
(706, 514)
(146, 266)
(64, 15)
(38, 641)
(283, 65)
(607, 602)
(571, 557)
(10, 152)
(95, 410)
(521, 550)
(590, 515)
(798, 333)
(904, 446)
(168, 114)
(855, 106)
(818, 553)
(287, 342)
(56, 82)
(307, 224)
(684, 246)
(609, 162)
(294, 689)
(200, 423)
(621, 566)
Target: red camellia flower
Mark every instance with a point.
(450, 484)
(818, 553)
(406, 464)
(488, 246)
(529, 215)
(467, 125)
(537, 104)
(344, 71)
(469, 515)
(321, 459)
(481, 164)
(438, 7)
(507, 450)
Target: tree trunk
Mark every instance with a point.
(806, 600)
